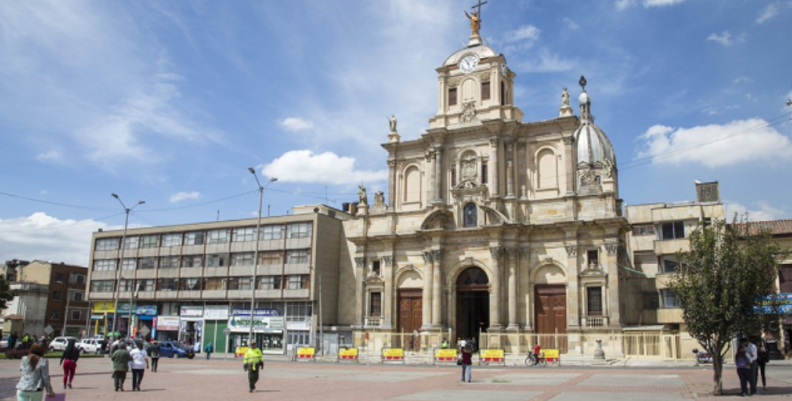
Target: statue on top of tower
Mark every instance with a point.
(475, 23)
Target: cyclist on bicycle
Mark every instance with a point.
(537, 349)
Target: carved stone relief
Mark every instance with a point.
(469, 112)
(571, 250)
(360, 262)
(496, 251)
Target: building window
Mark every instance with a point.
(485, 90)
(593, 258)
(297, 256)
(668, 299)
(131, 242)
(651, 301)
(272, 232)
(78, 296)
(270, 283)
(785, 279)
(296, 311)
(643, 229)
(167, 284)
(104, 265)
(299, 230)
(213, 284)
(669, 264)
(194, 238)
(171, 239)
(470, 215)
(673, 230)
(297, 282)
(240, 283)
(452, 97)
(169, 262)
(59, 277)
(242, 259)
(146, 285)
(483, 172)
(55, 315)
(375, 267)
(503, 100)
(107, 244)
(76, 315)
(217, 237)
(150, 241)
(129, 264)
(147, 263)
(453, 177)
(56, 295)
(644, 259)
(126, 285)
(270, 258)
(77, 278)
(594, 301)
(216, 260)
(192, 261)
(244, 234)
(190, 284)
(102, 285)
(375, 307)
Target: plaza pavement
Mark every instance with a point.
(218, 379)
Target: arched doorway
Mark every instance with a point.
(472, 303)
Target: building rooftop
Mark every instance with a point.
(775, 227)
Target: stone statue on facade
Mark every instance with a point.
(392, 122)
(565, 98)
(379, 198)
(468, 172)
(607, 169)
(362, 195)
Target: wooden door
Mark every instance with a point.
(550, 309)
(410, 313)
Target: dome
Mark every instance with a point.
(593, 146)
(482, 51)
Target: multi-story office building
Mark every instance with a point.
(191, 282)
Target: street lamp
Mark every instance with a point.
(66, 314)
(121, 264)
(255, 256)
(321, 326)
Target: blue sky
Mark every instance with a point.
(171, 101)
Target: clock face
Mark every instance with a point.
(468, 63)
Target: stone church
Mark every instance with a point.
(491, 224)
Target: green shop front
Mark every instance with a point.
(268, 330)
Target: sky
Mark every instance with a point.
(171, 101)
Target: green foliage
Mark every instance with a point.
(6, 293)
(727, 269)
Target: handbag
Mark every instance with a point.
(459, 362)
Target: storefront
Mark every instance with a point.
(167, 328)
(191, 326)
(268, 329)
(215, 321)
(102, 315)
(144, 326)
(299, 334)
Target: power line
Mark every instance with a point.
(169, 209)
(77, 223)
(92, 208)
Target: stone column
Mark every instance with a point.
(522, 180)
(360, 300)
(392, 183)
(387, 297)
(426, 302)
(573, 286)
(569, 165)
(509, 170)
(438, 174)
(493, 166)
(496, 253)
(611, 309)
(429, 172)
(437, 294)
(441, 96)
(524, 267)
(514, 254)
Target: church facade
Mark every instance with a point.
(491, 224)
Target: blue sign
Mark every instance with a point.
(779, 304)
(257, 312)
(146, 310)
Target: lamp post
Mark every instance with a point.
(66, 314)
(321, 326)
(255, 255)
(121, 264)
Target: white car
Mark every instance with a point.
(90, 345)
(59, 343)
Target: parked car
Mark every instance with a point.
(170, 349)
(90, 345)
(4, 342)
(59, 343)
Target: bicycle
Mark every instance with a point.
(530, 362)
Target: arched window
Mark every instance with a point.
(412, 185)
(470, 215)
(472, 276)
(548, 169)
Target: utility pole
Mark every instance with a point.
(121, 265)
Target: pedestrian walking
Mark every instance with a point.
(12, 339)
(743, 369)
(751, 353)
(208, 348)
(467, 363)
(35, 373)
(762, 358)
(254, 362)
(138, 363)
(120, 359)
(69, 362)
(154, 354)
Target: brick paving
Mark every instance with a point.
(198, 380)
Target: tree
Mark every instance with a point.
(6, 293)
(727, 270)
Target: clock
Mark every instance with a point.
(468, 63)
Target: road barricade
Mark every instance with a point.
(348, 354)
(240, 352)
(444, 356)
(492, 356)
(392, 355)
(552, 356)
(305, 354)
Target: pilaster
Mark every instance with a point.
(437, 295)
(426, 303)
(514, 255)
(492, 180)
(496, 254)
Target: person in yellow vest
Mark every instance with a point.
(254, 361)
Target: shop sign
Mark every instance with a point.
(257, 312)
(104, 307)
(262, 324)
(776, 304)
(216, 312)
(168, 323)
(146, 310)
(123, 308)
(97, 317)
(191, 311)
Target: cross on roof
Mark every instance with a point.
(479, 7)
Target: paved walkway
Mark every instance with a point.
(198, 380)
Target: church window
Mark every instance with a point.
(485, 90)
(484, 172)
(452, 97)
(376, 304)
(453, 177)
(375, 267)
(412, 185)
(470, 215)
(593, 258)
(594, 298)
(503, 94)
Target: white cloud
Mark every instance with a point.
(52, 155)
(716, 145)
(180, 196)
(770, 11)
(725, 38)
(525, 32)
(305, 166)
(743, 80)
(660, 3)
(762, 211)
(295, 124)
(545, 62)
(621, 5)
(571, 25)
(44, 237)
